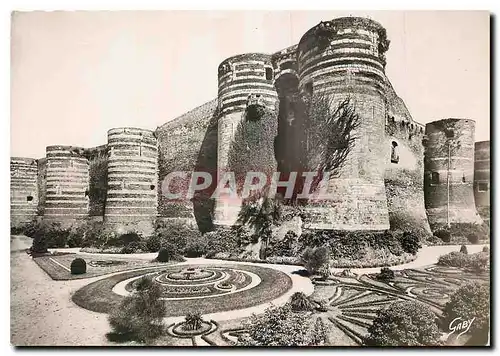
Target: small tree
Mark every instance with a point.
(463, 249)
(300, 302)
(404, 323)
(410, 243)
(471, 300)
(385, 274)
(193, 321)
(315, 258)
(443, 234)
(140, 315)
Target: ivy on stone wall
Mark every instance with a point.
(330, 133)
(252, 148)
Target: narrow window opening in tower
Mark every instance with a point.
(434, 178)
(152, 187)
(29, 198)
(463, 178)
(269, 73)
(482, 187)
(86, 192)
(394, 152)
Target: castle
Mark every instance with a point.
(397, 169)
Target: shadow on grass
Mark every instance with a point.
(121, 337)
(302, 273)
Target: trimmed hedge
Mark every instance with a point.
(78, 266)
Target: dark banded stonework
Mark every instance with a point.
(345, 58)
(242, 77)
(23, 190)
(449, 172)
(482, 178)
(132, 178)
(67, 183)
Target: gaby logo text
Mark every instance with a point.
(458, 324)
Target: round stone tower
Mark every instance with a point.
(23, 190)
(245, 85)
(343, 61)
(67, 185)
(449, 172)
(482, 178)
(132, 200)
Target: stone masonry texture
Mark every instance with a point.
(398, 173)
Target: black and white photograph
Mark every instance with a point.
(249, 178)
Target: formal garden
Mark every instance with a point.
(179, 287)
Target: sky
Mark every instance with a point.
(74, 75)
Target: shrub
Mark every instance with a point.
(443, 234)
(175, 233)
(300, 302)
(133, 247)
(410, 243)
(30, 228)
(223, 240)
(53, 234)
(478, 262)
(385, 274)
(471, 300)
(165, 254)
(463, 249)
(473, 238)
(16, 230)
(143, 283)
(324, 271)
(284, 247)
(486, 249)
(153, 243)
(129, 238)
(280, 326)
(196, 247)
(473, 232)
(404, 323)
(315, 258)
(432, 240)
(454, 259)
(39, 244)
(193, 321)
(320, 332)
(140, 315)
(77, 235)
(78, 266)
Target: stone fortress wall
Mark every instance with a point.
(395, 174)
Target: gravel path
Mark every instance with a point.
(42, 312)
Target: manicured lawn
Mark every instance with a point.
(98, 296)
(58, 266)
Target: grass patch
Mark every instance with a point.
(98, 296)
(95, 266)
